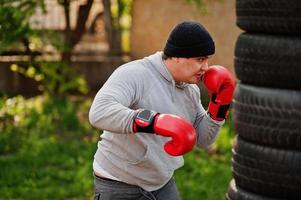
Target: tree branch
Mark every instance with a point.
(83, 14)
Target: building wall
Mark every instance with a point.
(152, 21)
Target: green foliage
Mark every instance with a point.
(10, 140)
(60, 79)
(48, 169)
(41, 38)
(46, 115)
(45, 151)
(14, 20)
(61, 114)
(125, 6)
(54, 78)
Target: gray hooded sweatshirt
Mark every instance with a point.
(139, 158)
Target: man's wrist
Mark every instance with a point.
(144, 121)
(218, 112)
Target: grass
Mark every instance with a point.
(44, 155)
(47, 169)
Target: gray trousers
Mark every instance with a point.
(106, 189)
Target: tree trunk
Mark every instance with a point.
(82, 17)
(66, 54)
(73, 37)
(113, 29)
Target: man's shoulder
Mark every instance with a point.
(134, 67)
(133, 71)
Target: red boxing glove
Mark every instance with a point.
(182, 132)
(220, 84)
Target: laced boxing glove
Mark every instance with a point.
(182, 132)
(220, 84)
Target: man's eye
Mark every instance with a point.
(203, 59)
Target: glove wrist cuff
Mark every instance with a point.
(218, 112)
(144, 121)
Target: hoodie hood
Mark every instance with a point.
(156, 61)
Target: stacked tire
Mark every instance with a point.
(266, 160)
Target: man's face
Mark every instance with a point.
(190, 70)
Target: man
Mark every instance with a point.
(151, 114)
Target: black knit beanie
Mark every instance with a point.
(189, 39)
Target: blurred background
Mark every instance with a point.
(56, 54)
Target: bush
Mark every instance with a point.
(44, 150)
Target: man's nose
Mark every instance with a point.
(205, 66)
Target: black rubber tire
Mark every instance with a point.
(268, 116)
(267, 171)
(269, 60)
(269, 16)
(236, 193)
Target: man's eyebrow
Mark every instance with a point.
(203, 57)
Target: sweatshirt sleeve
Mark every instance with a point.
(110, 109)
(207, 128)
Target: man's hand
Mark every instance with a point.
(182, 132)
(220, 84)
